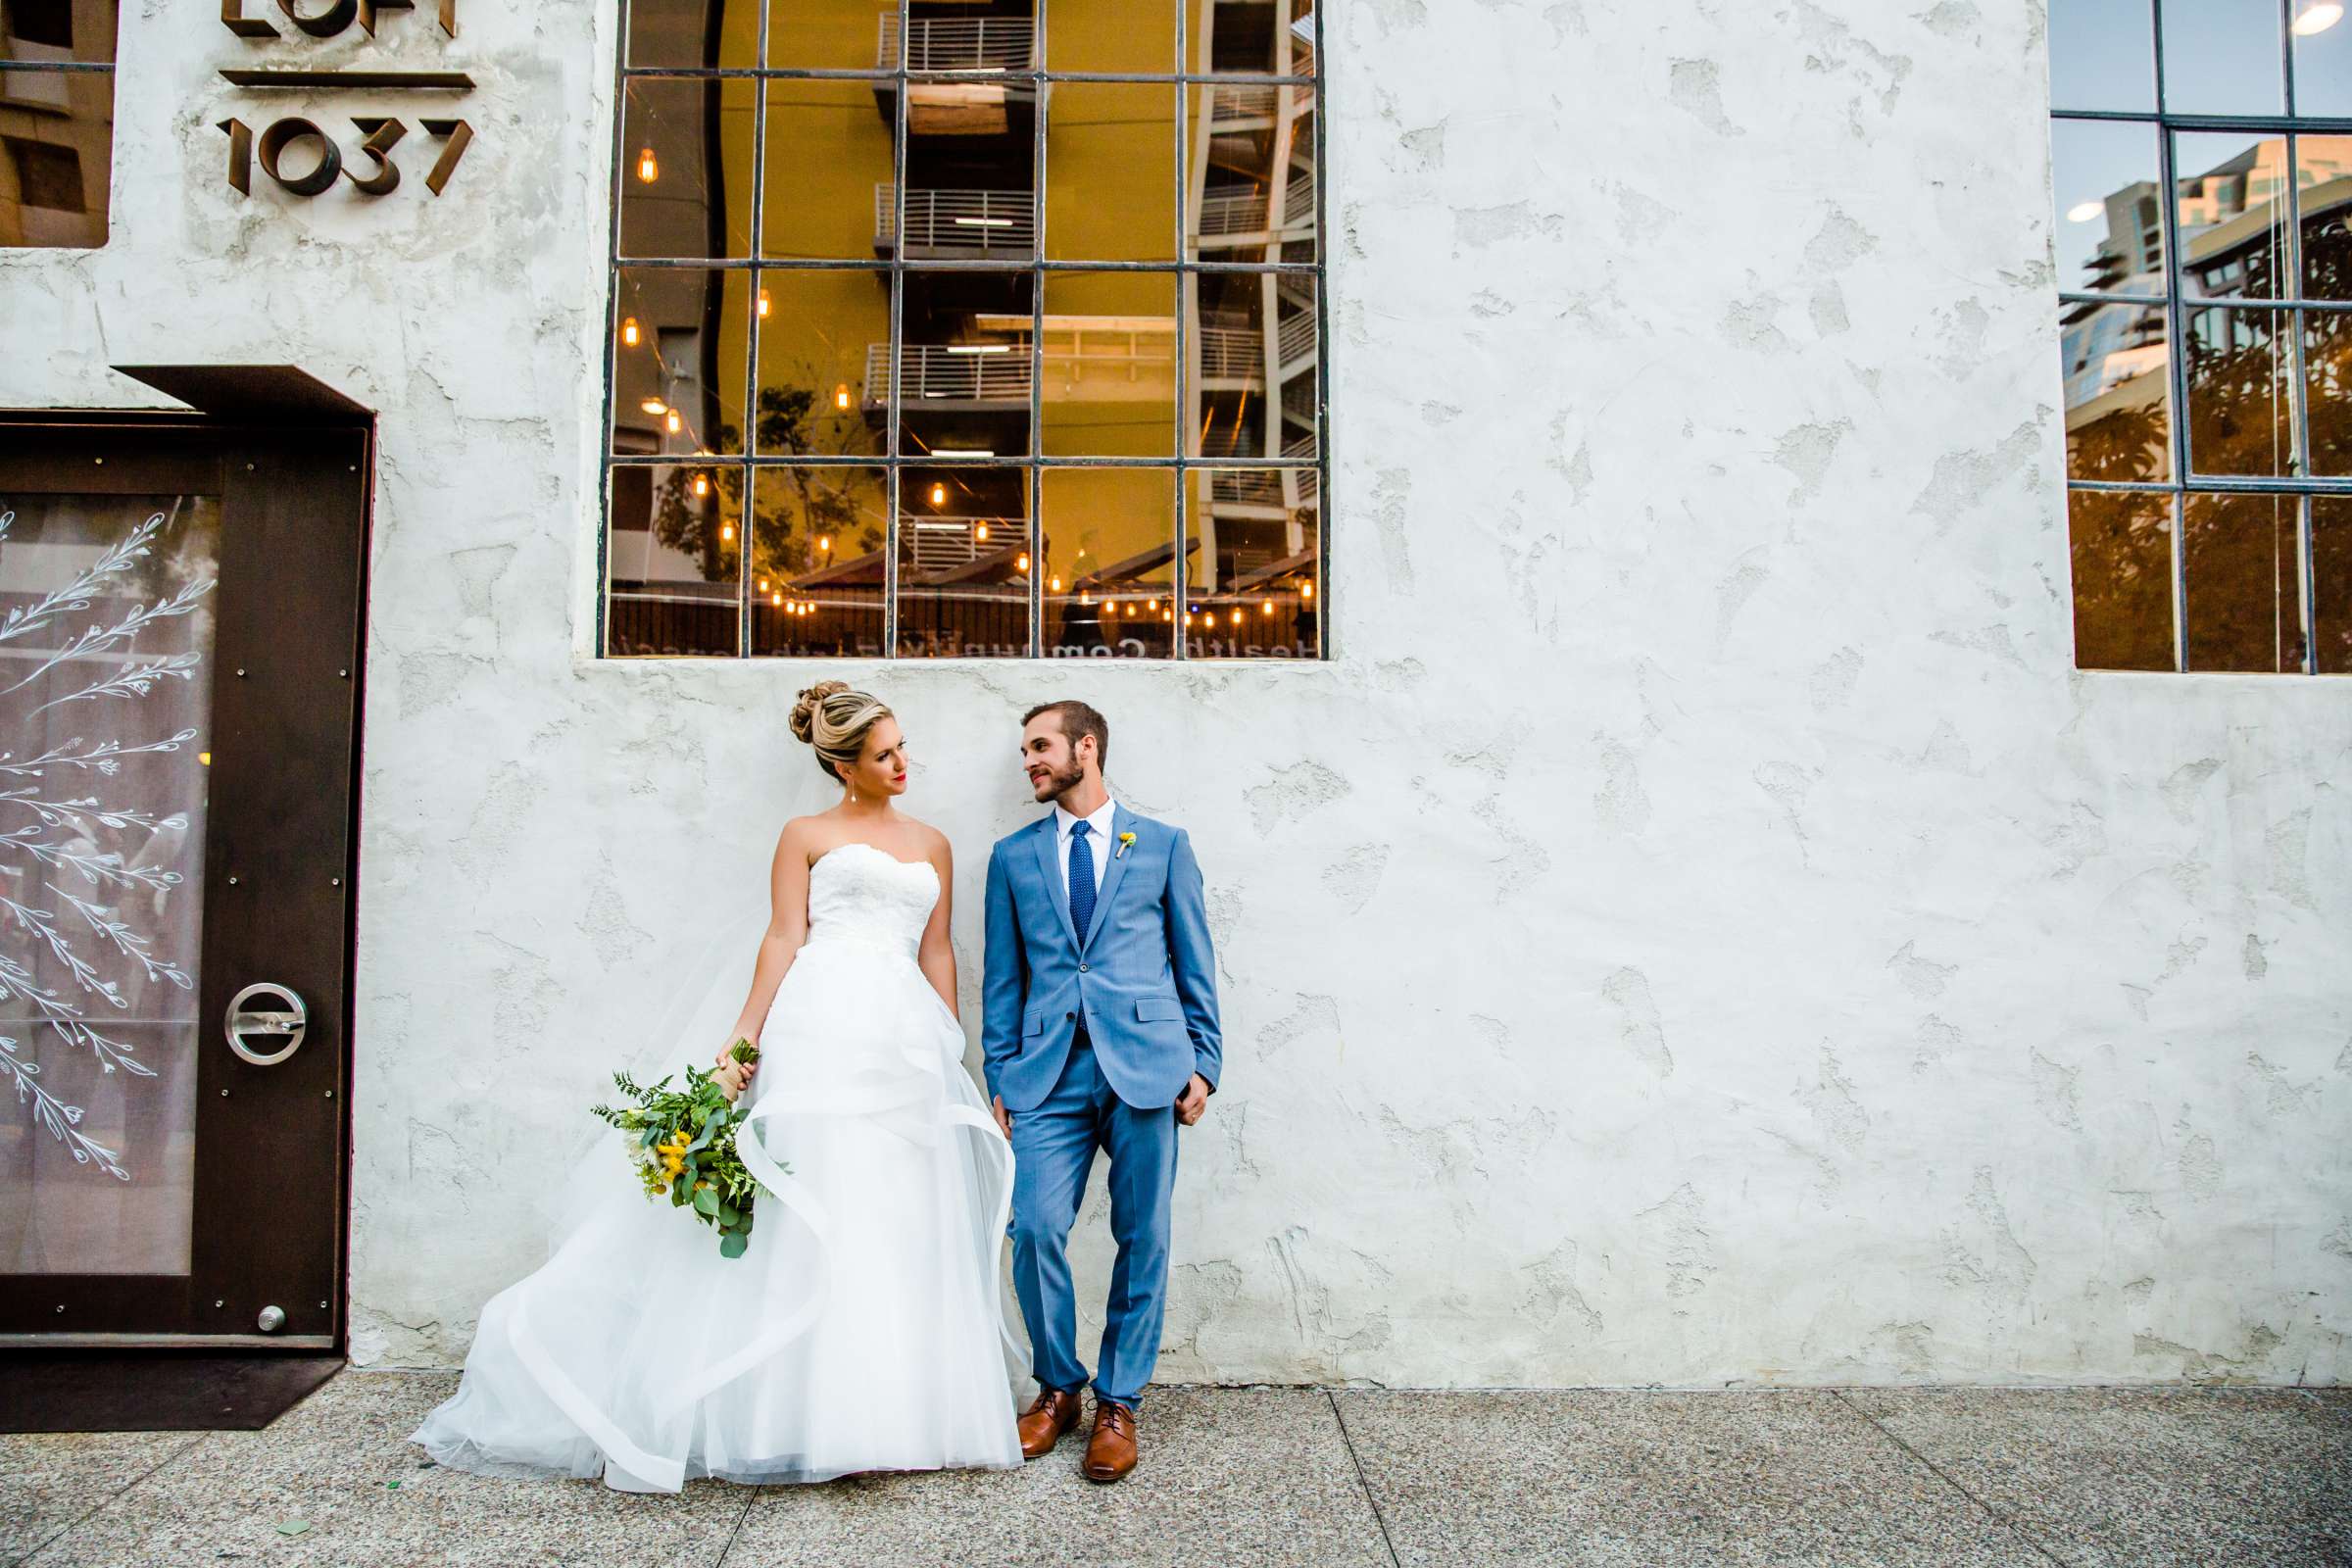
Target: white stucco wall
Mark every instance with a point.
(1699, 927)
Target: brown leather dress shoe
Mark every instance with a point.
(1052, 1413)
(1110, 1451)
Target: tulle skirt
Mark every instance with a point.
(864, 1328)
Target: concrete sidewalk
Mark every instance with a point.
(1286, 1476)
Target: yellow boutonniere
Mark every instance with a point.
(1126, 843)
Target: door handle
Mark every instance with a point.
(242, 1025)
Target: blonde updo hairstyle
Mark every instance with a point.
(834, 719)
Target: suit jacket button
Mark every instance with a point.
(1082, 968)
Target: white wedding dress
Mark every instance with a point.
(864, 1328)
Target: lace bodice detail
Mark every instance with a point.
(858, 893)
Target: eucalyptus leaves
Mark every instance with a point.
(683, 1143)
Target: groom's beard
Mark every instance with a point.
(1057, 783)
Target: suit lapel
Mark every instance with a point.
(1049, 865)
(1121, 821)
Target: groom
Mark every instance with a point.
(1100, 1030)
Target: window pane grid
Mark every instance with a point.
(2241, 404)
(922, 432)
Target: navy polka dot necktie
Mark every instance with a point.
(1082, 879)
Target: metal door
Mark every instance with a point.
(181, 615)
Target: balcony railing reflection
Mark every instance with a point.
(1241, 211)
(977, 221)
(1229, 354)
(957, 43)
(1296, 341)
(1236, 102)
(939, 543)
(1299, 200)
(1311, 480)
(954, 372)
(1258, 487)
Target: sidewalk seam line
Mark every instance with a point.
(736, 1534)
(1362, 1480)
(1990, 1512)
(125, 1490)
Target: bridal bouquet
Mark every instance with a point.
(683, 1143)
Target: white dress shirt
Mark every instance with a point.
(1098, 840)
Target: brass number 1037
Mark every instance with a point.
(383, 175)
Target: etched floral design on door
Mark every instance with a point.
(106, 633)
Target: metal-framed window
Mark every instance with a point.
(2202, 182)
(966, 329)
(56, 122)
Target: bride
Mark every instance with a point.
(864, 1330)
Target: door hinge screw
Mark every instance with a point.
(223, 1094)
(233, 881)
(330, 1094)
(343, 674)
(220, 1304)
(334, 881)
(240, 672)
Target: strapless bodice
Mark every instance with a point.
(858, 893)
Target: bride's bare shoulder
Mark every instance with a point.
(933, 841)
(801, 833)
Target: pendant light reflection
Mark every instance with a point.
(648, 169)
(630, 333)
(2318, 17)
(2084, 212)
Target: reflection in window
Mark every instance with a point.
(925, 347)
(2122, 568)
(2240, 559)
(57, 121)
(2205, 326)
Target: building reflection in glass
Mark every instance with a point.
(1037, 361)
(56, 124)
(2235, 198)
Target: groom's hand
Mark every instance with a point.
(1003, 1121)
(1194, 1101)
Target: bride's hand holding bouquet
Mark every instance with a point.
(683, 1143)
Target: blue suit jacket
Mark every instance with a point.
(1143, 976)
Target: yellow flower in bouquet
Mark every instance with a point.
(683, 1143)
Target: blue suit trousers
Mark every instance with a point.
(1054, 1146)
